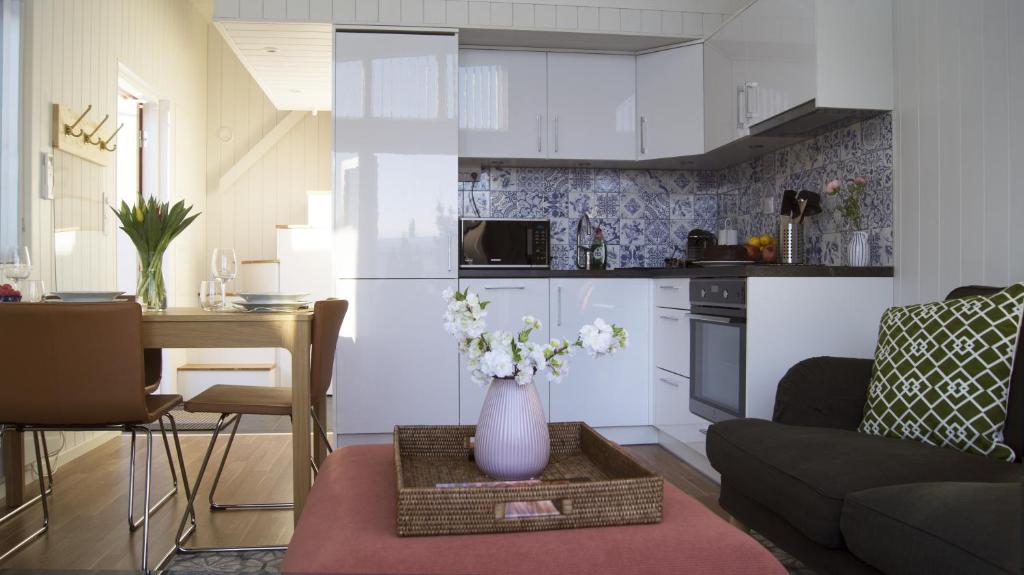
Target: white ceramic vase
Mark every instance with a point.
(512, 433)
(859, 253)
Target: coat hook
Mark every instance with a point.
(103, 143)
(88, 137)
(70, 130)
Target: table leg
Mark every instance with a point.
(301, 474)
(14, 468)
(320, 449)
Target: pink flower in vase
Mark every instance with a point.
(832, 187)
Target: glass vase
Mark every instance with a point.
(512, 433)
(150, 291)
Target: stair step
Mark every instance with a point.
(227, 367)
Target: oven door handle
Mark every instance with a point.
(711, 318)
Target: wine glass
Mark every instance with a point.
(18, 264)
(224, 265)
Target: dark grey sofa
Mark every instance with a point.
(846, 502)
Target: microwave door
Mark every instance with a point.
(473, 252)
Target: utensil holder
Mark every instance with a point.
(791, 241)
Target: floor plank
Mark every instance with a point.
(88, 510)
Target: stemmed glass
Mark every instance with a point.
(18, 264)
(224, 265)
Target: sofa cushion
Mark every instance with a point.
(937, 528)
(804, 473)
(942, 372)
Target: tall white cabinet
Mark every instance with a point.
(609, 391)
(396, 209)
(396, 148)
(592, 106)
(503, 103)
(511, 299)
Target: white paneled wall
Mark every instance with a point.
(959, 129)
(272, 192)
(676, 18)
(71, 56)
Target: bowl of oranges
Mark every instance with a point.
(762, 249)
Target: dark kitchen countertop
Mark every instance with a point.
(754, 270)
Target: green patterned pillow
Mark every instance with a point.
(942, 372)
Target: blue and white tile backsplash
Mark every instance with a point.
(647, 214)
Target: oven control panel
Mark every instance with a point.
(719, 292)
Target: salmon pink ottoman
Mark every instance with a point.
(348, 527)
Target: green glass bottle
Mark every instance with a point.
(599, 251)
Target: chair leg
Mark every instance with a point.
(320, 428)
(182, 535)
(46, 459)
(42, 497)
(49, 490)
(216, 481)
(133, 523)
(188, 496)
(145, 503)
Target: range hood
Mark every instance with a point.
(808, 120)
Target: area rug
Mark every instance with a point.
(269, 562)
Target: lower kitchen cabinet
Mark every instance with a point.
(604, 391)
(395, 364)
(511, 299)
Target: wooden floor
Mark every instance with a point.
(88, 509)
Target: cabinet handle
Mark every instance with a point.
(556, 134)
(750, 89)
(741, 94)
(668, 381)
(559, 323)
(643, 134)
(504, 287)
(676, 288)
(540, 121)
(669, 317)
(450, 241)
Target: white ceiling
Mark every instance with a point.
(291, 61)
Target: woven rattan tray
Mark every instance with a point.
(589, 480)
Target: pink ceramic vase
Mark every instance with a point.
(512, 433)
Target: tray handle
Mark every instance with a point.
(537, 509)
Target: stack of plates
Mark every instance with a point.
(87, 296)
(273, 301)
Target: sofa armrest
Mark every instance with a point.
(824, 392)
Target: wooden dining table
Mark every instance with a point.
(196, 328)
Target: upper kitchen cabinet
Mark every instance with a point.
(592, 106)
(777, 56)
(503, 104)
(670, 96)
(396, 147)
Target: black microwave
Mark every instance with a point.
(505, 243)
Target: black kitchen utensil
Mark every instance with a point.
(813, 202)
(788, 207)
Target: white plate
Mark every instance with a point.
(715, 263)
(87, 296)
(273, 307)
(274, 297)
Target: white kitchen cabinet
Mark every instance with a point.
(396, 365)
(603, 391)
(396, 147)
(672, 292)
(592, 106)
(778, 54)
(503, 101)
(511, 299)
(672, 400)
(670, 102)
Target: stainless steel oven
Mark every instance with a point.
(718, 347)
(505, 243)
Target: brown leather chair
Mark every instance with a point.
(77, 367)
(234, 401)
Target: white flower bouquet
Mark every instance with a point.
(502, 354)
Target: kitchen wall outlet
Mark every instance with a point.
(469, 172)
